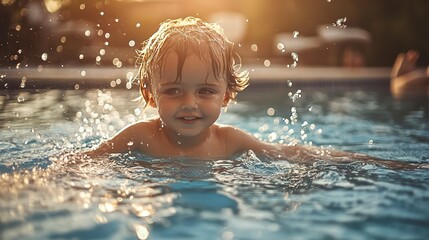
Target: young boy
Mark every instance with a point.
(188, 72)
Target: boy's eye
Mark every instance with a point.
(206, 91)
(172, 91)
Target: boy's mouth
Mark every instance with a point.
(189, 119)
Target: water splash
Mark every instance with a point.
(295, 60)
(295, 96)
(84, 186)
(340, 23)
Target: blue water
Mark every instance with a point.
(48, 193)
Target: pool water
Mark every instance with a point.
(46, 192)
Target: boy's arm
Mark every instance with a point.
(124, 141)
(242, 141)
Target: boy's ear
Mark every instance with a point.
(226, 99)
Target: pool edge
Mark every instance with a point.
(106, 77)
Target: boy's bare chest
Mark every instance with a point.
(212, 148)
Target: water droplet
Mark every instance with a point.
(295, 56)
(289, 83)
(141, 231)
(254, 47)
(23, 81)
(130, 75)
(44, 56)
(370, 142)
(81, 56)
(280, 46)
(295, 96)
(76, 86)
(87, 33)
(295, 34)
(267, 63)
(102, 13)
(117, 62)
(100, 219)
(102, 52)
(83, 73)
(131, 43)
(21, 99)
(116, 20)
(271, 111)
(276, 121)
(130, 143)
(138, 25)
(272, 136)
(340, 23)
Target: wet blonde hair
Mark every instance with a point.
(185, 37)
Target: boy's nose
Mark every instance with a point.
(189, 102)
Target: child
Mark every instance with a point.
(406, 80)
(189, 72)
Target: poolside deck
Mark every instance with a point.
(102, 77)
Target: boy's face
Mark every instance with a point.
(189, 106)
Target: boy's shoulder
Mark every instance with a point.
(238, 140)
(230, 132)
(142, 128)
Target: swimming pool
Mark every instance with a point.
(45, 195)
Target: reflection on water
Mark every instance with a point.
(71, 187)
(140, 196)
(49, 192)
(141, 191)
(146, 193)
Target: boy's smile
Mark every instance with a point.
(190, 103)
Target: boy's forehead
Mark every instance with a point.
(172, 68)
